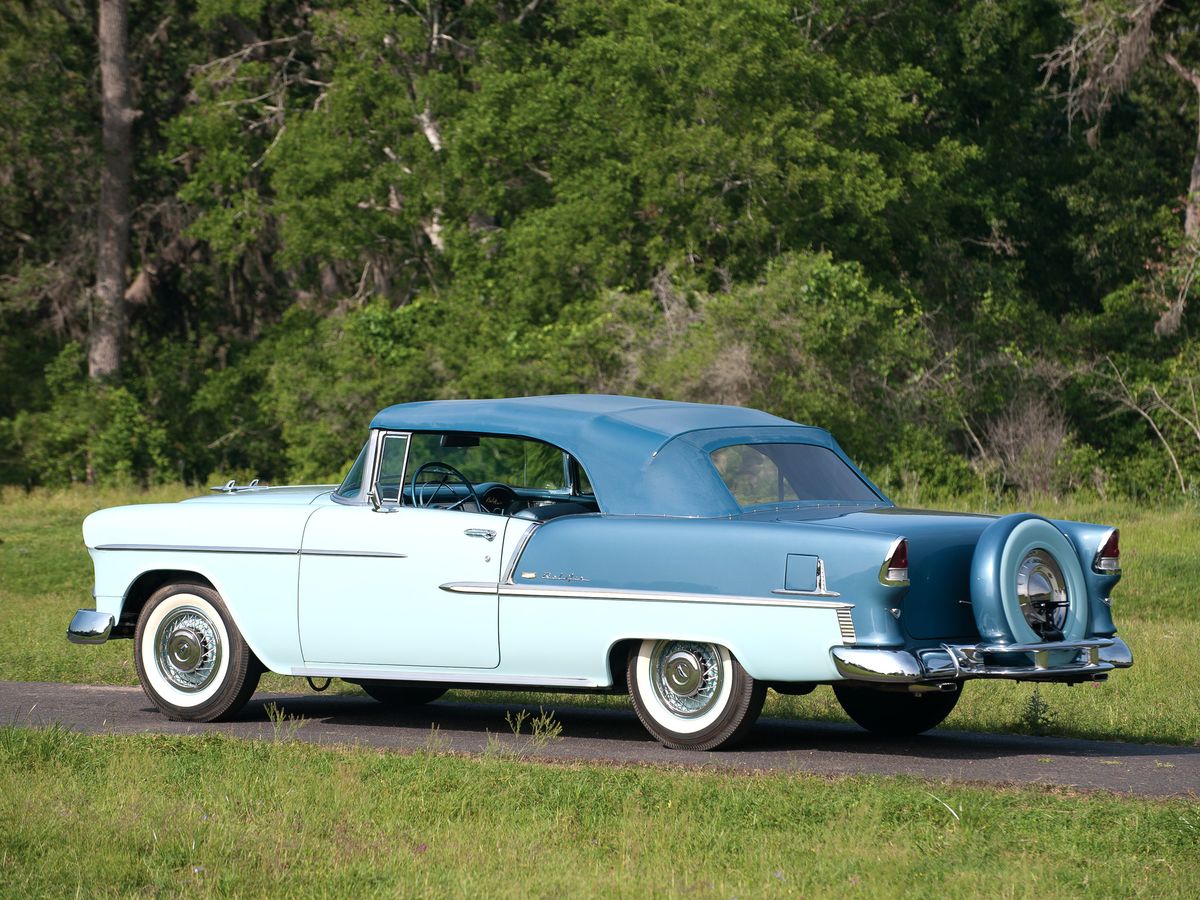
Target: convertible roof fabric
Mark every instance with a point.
(643, 457)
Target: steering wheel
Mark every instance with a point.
(446, 471)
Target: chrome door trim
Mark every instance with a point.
(507, 576)
(363, 553)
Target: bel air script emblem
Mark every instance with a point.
(563, 576)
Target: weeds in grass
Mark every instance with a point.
(436, 742)
(1037, 716)
(544, 730)
(283, 726)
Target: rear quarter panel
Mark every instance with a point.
(780, 637)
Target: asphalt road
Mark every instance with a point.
(615, 737)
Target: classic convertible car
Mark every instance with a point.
(691, 555)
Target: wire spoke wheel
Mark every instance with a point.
(692, 695)
(188, 649)
(191, 658)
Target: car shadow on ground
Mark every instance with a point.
(621, 731)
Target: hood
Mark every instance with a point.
(289, 495)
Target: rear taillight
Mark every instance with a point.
(1108, 557)
(894, 570)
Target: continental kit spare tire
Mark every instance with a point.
(1027, 586)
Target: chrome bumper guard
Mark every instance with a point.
(89, 627)
(1060, 661)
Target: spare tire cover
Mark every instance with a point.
(998, 556)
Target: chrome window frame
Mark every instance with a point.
(377, 464)
(375, 442)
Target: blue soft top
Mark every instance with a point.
(643, 457)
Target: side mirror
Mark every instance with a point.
(373, 497)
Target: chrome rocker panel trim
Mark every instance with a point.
(956, 662)
(316, 670)
(90, 627)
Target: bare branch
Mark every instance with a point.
(530, 8)
(1129, 400)
(1106, 49)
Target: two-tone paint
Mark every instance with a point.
(340, 586)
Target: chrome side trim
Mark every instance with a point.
(363, 553)
(507, 577)
(329, 670)
(89, 626)
(267, 551)
(536, 590)
(190, 548)
(786, 592)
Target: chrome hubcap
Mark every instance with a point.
(188, 650)
(682, 671)
(687, 676)
(1042, 593)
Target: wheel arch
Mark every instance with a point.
(144, 586)
(618, 659)
(142, 589)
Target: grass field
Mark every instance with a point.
(45, 575)
(206, 814)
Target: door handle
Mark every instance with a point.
(486, 533)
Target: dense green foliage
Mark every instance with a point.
(869, 215)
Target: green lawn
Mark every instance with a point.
(206, 814)
(45, 575)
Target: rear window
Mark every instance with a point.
(763, 474)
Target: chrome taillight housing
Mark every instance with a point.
(1108, 557)
(894, 571)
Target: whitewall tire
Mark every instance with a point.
(191, 658)
(692, 695)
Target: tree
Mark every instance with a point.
(108, 326)
(1112, 41)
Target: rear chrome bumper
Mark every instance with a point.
(90, 627)
(1061, 661)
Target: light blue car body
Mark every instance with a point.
(324, 586)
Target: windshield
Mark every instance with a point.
(352, 484)
(761, 474)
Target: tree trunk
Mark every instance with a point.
(107, 329)
(1191, 215)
